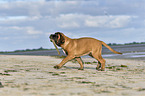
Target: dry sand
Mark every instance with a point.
(35, 76)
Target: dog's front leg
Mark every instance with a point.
(65, 60)
(80, 62)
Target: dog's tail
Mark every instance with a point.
(110, 48)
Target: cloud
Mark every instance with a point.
(54, 8)
(119, 21)
(68, 21)
(82, 20)
(22, 31)
(4, 38)
(32, 31)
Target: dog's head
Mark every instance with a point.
(58, 38)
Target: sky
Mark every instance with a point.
(27, 24)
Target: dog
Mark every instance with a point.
(75, 48)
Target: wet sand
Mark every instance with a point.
(35, 76)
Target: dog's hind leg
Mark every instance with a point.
(102, 61)
(80, 62)
(97, 55)
(99, 64)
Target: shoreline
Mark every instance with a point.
(23, 75)
(126, 55)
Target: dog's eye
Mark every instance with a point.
(55, 36)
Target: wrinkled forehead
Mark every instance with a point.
(57, 33)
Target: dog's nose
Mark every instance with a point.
(50, 36)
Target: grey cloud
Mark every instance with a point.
(87, 7)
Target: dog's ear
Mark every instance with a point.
(60, 39)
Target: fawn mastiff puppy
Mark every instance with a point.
(75, 48)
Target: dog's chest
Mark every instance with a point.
(65, 52)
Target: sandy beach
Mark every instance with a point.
(35, 76)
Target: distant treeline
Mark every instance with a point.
(41, 48)
(127, 43)
(38, 49)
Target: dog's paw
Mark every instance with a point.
(102, 69)
(97, 68)
(81, 69)
(57, 67)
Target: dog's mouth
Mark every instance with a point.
(55, 46)
(51, 37)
